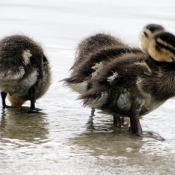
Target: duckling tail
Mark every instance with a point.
(95, 98)
(71, 80)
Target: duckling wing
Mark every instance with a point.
(96, 62)
(115, 79)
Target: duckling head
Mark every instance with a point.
(147, 33)
(162, 47)
(18, 56)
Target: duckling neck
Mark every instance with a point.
(166, 87)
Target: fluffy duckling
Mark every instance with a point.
(136, 84)
(91, 67)
(147, 33)
(93, 44)
(98, 50)
(85, 49)
(24, 71)
(93, 54)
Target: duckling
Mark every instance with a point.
(147, 33)
(91, 67)
(93, 54)
(136, 84)
(87, 66)
(93, 44)
(162, 48)
(87, 47)
(24, 71)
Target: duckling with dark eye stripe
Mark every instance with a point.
(24, 71)
(95, 63)
(147, 33)
(162, 48)
(138, 83)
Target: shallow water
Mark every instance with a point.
(63, 138)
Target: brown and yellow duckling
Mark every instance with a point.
(147, 33)
(134, 85)
(24, 71)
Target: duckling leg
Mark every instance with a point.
(32, 92)
(92, 111)
(123, 122)
(137, 130)
(3, 97)
(117, 121)
(135, 123)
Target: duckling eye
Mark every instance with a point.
(157, 48)
(146, 35)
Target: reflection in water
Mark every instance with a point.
(101, 138)
(104, 122)
(15, 123)
(121, 151)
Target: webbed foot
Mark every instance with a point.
(6, 106)
(117, 121)
(30, 111)
(149, 134)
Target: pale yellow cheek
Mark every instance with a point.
(166, 55)
(143, 43)
(162, 55)
(15, 101)
(171, 56)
